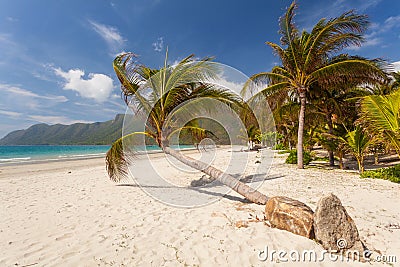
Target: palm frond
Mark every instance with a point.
(335, 34)
(364, 71)
(358, 141)
(196, 132)
(383, 112)
(128, 72)
(288, 30)
(380, 114)
(120, 154)
(258, 82)
(189, 71)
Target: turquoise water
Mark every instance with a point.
(19, 154)
(24, 154)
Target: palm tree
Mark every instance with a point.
(160, 93)
(305, 60)
(380, 115)
(358, 143)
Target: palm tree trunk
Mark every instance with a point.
(360, 161)
(249, 193)
(376, 157)
(300, 131)
(341, 166)
(330, 131)
(340, 154)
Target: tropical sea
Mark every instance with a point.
(43, 153)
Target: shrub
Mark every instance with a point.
(279, 146)
(392, 174)
(292, 158)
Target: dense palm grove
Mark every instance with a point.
(322, 97)
(319, 96)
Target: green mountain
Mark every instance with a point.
(98, 133)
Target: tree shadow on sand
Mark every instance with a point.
(202, 188)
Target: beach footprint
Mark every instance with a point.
(64, 236)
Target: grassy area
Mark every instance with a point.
(308, 157)
(392, 174)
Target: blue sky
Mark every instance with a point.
(56, 56)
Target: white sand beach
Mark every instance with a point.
(68, 213)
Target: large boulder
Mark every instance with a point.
(334, 228)
(290, 215)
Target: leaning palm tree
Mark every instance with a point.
(305, 60)
(161, 94)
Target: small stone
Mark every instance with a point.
(334, 228)
(240, 224)
(204, 180)
(291, 215)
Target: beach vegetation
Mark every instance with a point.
(391, 173)
(279, 146)
(292, 157)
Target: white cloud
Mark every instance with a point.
(332, 9)
(11, 19)
(159, 44)
(368, 42)
(26, 93)
(97, 86)
(233, 86)
(391, 22)
(373, 39)
(396, 66)
(85, 104)
(6, 39)
(110, 34)
(55, 119)
(364, 4)
(12, 114)
(175, 62)
(110, 110)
